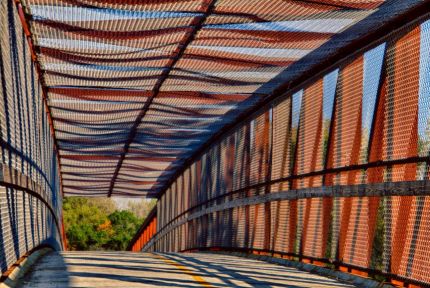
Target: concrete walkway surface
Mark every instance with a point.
(128, 269)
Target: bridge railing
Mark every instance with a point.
(145, 233)
(30, 198)
(335, 173)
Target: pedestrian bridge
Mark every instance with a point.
(126, 269)
(298, 131)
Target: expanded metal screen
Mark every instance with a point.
(26, 222)
(30, 203)
(335, 172)
(136, 88)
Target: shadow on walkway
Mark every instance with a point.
(127, 269)
(49, 271)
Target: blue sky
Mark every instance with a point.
(424, 88)
(373, 60)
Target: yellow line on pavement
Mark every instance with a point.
(184, 269)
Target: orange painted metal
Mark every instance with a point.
(146, 233)
(348, 227)
(401, 131)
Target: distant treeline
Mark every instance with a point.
(97, 224)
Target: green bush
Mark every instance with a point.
(96, 224)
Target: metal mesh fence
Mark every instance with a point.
(335, 173)
(26, 222)
(30, 203)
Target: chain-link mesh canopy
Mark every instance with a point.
(137, 87)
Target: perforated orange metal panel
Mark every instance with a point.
(347, 181)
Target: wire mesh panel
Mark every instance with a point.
(135, 88)
(26, 223)
(281, 147)
(30, 200)
(334, 173)
(402, 101)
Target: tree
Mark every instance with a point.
(82, 221)
(95, 224)
(107, 205)
(141, 208)
(125, 224)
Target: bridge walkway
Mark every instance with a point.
(127, 269)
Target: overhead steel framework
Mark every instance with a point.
(294, 128)
(136, 89)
